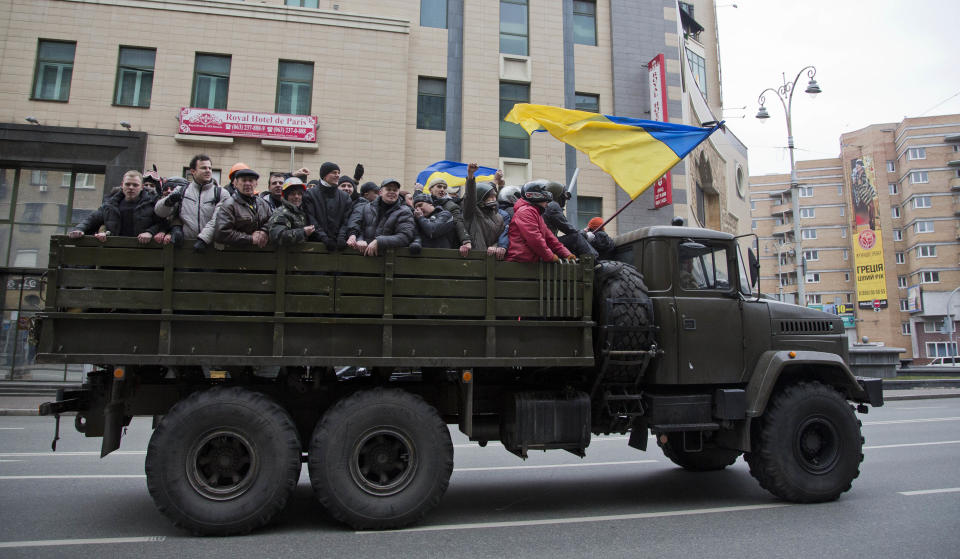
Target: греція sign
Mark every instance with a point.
(241, 124)
(868, 240)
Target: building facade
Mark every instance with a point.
(96, 87)
(903, 180)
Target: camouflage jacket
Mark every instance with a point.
(286, 225)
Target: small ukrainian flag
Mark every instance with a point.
(634, 152)
(454, 172)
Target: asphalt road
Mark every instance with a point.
(617, 502)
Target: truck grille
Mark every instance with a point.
(805, 326)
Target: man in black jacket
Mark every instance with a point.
(435, 224)
(328, 208)
(128, 213)
(382, 224)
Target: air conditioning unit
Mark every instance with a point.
(42, 188)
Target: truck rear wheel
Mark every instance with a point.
(618, 281)
(707, 460)
(223, 462)
(808, 447)
(380, 459)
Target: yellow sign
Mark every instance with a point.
(867, 241)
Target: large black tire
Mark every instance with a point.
(707, 460)
(380, 459)
(617, 280)
(223, 462)
(808, 445)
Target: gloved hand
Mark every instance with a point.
(199, 246)
(358, 172)
(415, 248)
(176, 235)
(173, 199)
(331, 244)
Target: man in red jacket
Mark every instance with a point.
(530, 239)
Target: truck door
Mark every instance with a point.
(709, 318)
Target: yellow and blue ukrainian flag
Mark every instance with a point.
(634, 152)
(454, 172)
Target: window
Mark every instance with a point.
(588, 207)
(846, 276)
(808, 233)
(31, 217)
(701, 205)
(922, 202)
(841, 211)
(941, 349)
(698, 68)
(895, 212)
(431, 104)
(302, 3)
(846, 254)
(843, 232)
(585, 22)
(38, 178)
(514, 27)
(897, 234)
(905, 328)
(815, 299)
(211, 79)
(891, 168)
(433, 13)
(904, 305)
(753, 224)
(808, 212)
(588, 102)
(923, 227)
(753, 204)
(933, 326)
(901, 259)
(703, 268)
(840, 191)
(806, 192)
(514, 140)
(811, 255)
(54, 71)
(294, 87)
(916, 153)
(84, 180)
(25, 258)
(134, 77)
(901, 281)
(894, 188)
(926, 251)
(813, 277)
(929, 277)
(919, 177)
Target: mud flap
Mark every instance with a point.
(113, 421)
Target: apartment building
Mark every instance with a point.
(911, 171)
(93, 88)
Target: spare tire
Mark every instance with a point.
(621, 300)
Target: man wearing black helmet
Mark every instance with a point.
(557, 222)
(328, 208)
(530, 239)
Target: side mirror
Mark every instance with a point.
(754, 264)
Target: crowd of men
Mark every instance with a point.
(509, 222)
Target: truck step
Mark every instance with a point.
(672, 427)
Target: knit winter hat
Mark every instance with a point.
(328, 168)
(595, 223)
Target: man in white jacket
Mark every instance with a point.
(196, 204)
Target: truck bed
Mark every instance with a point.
(121, 303)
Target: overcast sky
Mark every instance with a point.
(877, 61)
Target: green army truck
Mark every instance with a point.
(254, 361)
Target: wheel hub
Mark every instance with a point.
(383, 461)
(222, 465)
(817, 445)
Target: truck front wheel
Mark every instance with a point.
(380, 459)
(808, 446)
(223, 462)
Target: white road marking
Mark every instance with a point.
(899, 421)
(593, 440)
(11, 460)
(581, 519)
(11, 428)
(925, 408)
(909, 444)
(88, 541)
(77, 453)
(931, 491)
(76, 476)
(578, 465)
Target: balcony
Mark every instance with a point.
(783, 229)
(782, 209)
(955, 183)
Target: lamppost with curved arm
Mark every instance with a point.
(785, 94)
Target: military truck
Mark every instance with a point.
(254, 361)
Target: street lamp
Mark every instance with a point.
(785, 94)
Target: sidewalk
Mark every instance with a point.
(27, 405)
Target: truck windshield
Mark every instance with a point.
(703, 266)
